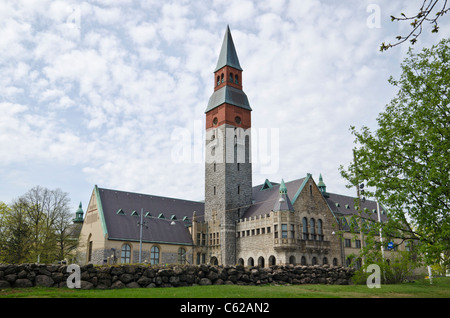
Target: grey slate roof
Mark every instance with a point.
(228, 55)
(265, 200)
(125, 227)
(229, 95)
(342, 205)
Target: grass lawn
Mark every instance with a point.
(419, 289)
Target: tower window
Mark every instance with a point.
(231, 77)
(236, 79)
(215, 121)
(237, 119)
(218, 80)
(222, 80)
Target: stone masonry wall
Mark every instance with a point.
(139, 276)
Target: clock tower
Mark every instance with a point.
(228, 168)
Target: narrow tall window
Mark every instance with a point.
(284, 231)
(214, 190)
(181, 255)
(154, 255)
(320, 230)
(125, 257)
(239, 189)
(305, 228)
(90, 251)
(312, 229)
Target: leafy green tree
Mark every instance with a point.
(405, 162)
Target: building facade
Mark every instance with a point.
(295, 222)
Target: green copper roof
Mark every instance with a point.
(229, 95)
(321, 183)
(228, 55)
(79, 215)
(283, 187)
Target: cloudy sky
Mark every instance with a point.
(113, 93)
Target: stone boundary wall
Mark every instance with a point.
(139, 276)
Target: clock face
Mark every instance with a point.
(237, 119)
(215, 121)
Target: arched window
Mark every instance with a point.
(222, 79)
(241, 261)
(236, 79)
(320, 230)
(303, 260)
(261, 261)
(325, 261)
(272, 260)
(292, 260)
(348, 261)
(314, 261)
(231, 77)
(305, 228)
(312, 228)
(181, 255)
(251, 262)
(218, 80)
(335, 261)
(154, 255)
(125, 256)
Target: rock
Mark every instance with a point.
(11, 278)
(133, 285)
(205, 281)
(22, 283)
(144, 281)
(126, 278)
(44, 281)
(6, 284)
(86, 285)
(117, 285)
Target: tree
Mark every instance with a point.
(37, 225)
(430, 11)
(405, 161)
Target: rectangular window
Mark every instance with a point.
(358, 243)
(284, 231)
(348, 243)
(275, 231)
(292, 231)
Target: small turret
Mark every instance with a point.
(78, 215)
(283, 203)
(322, 187)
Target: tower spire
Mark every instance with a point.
(228, 55)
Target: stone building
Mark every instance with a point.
(295, 222)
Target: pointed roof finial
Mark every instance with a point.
(228, 55)
(283, 188)
(321, 185)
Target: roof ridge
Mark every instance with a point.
(150, 195)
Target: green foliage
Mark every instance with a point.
(36, 224)
(406, 159)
